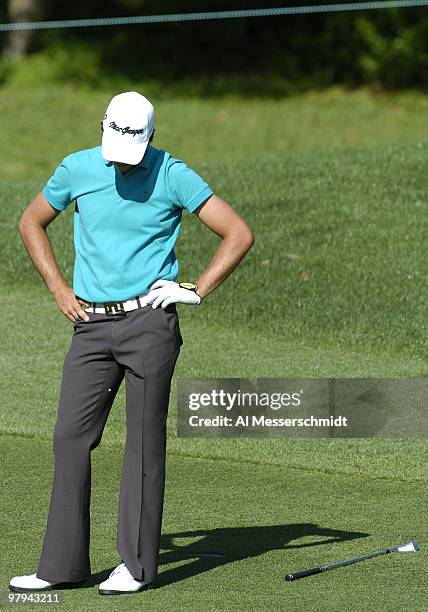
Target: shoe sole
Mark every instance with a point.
(110, 592)
(54, 587)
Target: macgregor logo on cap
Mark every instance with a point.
(125, 130)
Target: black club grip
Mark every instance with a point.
(304, 573)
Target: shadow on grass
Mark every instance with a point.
(218, 547)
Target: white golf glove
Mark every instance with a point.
(165, 292)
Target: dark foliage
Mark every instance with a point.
(387, 47)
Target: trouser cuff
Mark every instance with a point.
(145, 574)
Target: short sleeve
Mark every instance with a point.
(57, 190)
(189, 190)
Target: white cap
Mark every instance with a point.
(128, 125)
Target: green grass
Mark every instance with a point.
(205, 131)
(301, 519)
(334, 187)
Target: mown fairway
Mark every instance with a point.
(334, 187)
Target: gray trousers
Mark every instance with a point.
(141, 346)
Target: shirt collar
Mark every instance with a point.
(144, 163)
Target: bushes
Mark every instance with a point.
(397, 60)
(271, 56)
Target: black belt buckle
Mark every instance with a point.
(112, 308)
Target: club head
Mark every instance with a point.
(410, 547)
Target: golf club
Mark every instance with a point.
(412, 546)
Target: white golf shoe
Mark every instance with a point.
(120, 581)
(22, 584)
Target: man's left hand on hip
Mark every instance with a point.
(165, 292)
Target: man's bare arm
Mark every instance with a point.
(32, 229)
(237, 239)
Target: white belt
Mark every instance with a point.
(115, 308)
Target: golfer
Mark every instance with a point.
(129, 197)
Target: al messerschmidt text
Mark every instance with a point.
(257, 421)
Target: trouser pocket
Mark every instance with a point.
(170, 315)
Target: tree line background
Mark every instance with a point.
(388, 48)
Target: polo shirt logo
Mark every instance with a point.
(125, 130)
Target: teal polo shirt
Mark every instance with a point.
(125, 226)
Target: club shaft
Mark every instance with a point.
(355, 559)
(324, 568)
(410, 547)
